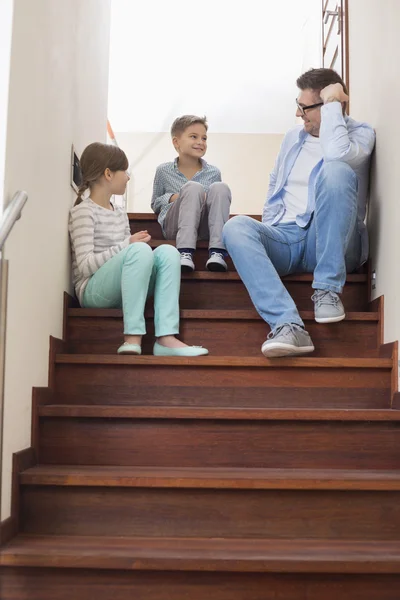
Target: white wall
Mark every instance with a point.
(244, 159)
(374, 94)
(58, 96)
(236, 62)
(6, 12)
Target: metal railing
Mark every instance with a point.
(11, 214)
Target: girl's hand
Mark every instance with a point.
(141, 236)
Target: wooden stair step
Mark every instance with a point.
(141, 221)
(223, 508)
(224, 381)
(209, 513)
(215, 412)
(84, 584)
(278, 556)
(226, 361)
(237, 332)
(214, 442)
(211, 478)
(352, 278)
(204, 290)
(207, 291)
(108, 397)
(200, 256)
(213, 314)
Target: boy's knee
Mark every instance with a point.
(220, 187)
(193, 190)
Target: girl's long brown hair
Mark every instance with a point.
(95, 159)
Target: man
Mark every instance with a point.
(313, 218)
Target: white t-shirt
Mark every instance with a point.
(295, 192)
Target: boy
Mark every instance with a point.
(189, 197)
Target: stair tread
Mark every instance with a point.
(288, 555)
(154, 243)
(297, 277)
(212, 477)
(151, 216)
(214, 314)
(226, 361)
(216, 412)
(203, 245)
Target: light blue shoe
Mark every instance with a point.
(129, 349)
(160, 350)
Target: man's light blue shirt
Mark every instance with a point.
(342, 138)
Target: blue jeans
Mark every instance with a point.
(329, 247)
(126, 280)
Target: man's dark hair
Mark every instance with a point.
(317, 79)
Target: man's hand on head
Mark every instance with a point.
(333, 93)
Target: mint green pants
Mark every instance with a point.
(126, 280)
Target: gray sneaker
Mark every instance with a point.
(288, 340)
(187, 264)
(328, 307)
(216, 262)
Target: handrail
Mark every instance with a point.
(11, 214)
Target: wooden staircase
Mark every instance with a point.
(231, 477)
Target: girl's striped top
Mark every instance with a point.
(97, 234)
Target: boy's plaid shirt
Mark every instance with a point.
(169, 180)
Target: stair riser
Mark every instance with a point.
(222, 386)
(189, 443)
(252, 397)
(256, 514)
(232, 295)
(151, 226)
(103, 335)
(68, 584)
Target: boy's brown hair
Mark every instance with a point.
(182, 123)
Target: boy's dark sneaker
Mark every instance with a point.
(187, 264)
(216, 262)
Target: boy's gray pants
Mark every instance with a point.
(196, 215)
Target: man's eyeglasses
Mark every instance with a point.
(303, 109)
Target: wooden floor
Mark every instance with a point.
(228, 476)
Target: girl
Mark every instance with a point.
(112, 268)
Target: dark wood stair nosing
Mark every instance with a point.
(297, 278)
(226, 361)
(198, 554)
(219, 413)
(211, 478)
(151, 216)
(240, 314)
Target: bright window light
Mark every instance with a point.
(235, 62)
